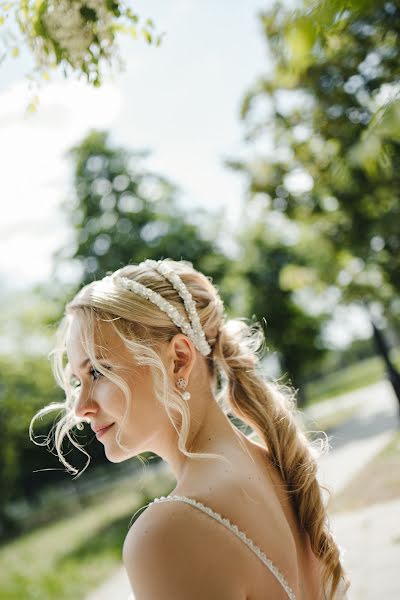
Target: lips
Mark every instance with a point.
(100, 427)
(103, 431)
(100, 431)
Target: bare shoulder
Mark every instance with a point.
(172, 552)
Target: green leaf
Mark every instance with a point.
(131, 15)
(386, 123)
(300, 38)
(159, 38)
(89, 14)
(147, 35)
(113, 7)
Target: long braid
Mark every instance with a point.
(271, 412)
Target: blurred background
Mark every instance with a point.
(259, 141)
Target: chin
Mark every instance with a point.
(117, 455)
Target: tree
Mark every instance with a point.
(330, 168)
(333, 164)
(26, 385)
(77, 36)
(122, 213)
(265, 279)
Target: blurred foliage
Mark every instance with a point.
(75, 36)
(122, 213)
(330, 113)
(64, 560)
(290, 330)
(26, 385)
(351, 375)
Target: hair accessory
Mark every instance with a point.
(182, 383)
(193, 330)
(157, 299)
(187, 298)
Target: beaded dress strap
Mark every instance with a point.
(240, 534)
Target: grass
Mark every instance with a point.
(365, 372)
(379, 481)
(67, 559)
(332, 421)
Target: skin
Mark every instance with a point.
(249, 480)
(148, 428)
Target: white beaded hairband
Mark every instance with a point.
(193, 330)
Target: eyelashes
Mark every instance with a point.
(95, 375)
(74, 382)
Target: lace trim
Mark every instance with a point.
(238, 533)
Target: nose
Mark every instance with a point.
(85, 405)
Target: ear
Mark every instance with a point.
(181, 356)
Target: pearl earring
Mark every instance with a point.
(182, 383)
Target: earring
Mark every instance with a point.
(182, 383)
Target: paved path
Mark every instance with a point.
(371, 539)
(361, 437)
(368, 536)
(115, 588)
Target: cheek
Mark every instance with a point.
(140, 384)
(110, 397)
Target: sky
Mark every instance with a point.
(181, 101)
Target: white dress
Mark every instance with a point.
(340, 595)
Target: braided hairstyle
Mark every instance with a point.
(233, 364)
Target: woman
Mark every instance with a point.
(154, 365)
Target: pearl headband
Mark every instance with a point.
(192, 329)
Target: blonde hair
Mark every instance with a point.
(268, 408)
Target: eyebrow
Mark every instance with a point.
(84, 363)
